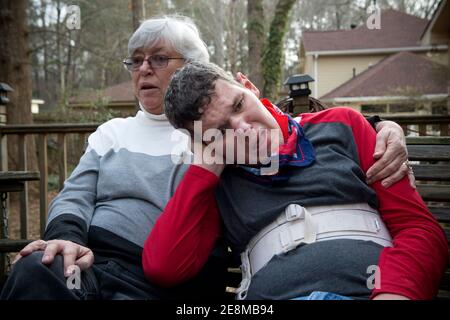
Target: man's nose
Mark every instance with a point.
(238, 122)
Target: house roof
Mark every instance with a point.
(398, 30)
(122, 92)
(439, 21)
(399, 74)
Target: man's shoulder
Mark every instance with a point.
(345, 115)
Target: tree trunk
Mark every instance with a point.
(256, 37)
(15, 70)
(219, 57)
(273, 53)
(44, 38)
(232, 37)
(136, 8)
(448, 77)
(58, 53)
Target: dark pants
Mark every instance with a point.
(30, 279)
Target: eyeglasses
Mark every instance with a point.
(155, 61)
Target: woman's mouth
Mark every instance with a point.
(147, 87)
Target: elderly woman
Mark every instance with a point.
(110, 203)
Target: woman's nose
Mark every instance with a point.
(145, 68)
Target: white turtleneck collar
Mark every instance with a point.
(151, 116)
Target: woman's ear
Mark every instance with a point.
(242, 79)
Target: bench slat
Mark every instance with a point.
(429, 152)
(442, 214)
(18, 176)
(443, 140)
(445, 282)
(431, 172)
(447, 234)
(9, 245)
(438, 193)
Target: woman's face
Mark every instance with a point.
(149, 84)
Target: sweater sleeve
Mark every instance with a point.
(413, 267)
(184, 235)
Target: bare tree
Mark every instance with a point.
(15, 69)
(256, 37)
(136, 11)
(273, 57)
(219, 56)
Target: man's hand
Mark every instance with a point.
(206, 160)
(389, 296)
(390, 156)
(73, 254)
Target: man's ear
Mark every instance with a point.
(242, 79)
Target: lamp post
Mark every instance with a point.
(4, 89)
(299, 92)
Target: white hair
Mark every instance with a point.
(179, 31)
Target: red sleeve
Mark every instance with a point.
(413, 267)
(185, 233)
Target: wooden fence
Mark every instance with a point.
(41, 133)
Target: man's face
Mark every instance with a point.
(149, 84)
(235, 107)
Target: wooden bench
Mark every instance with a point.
(430, 158)
(431, 164)
(432, 172)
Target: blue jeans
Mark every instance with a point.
(319, 295)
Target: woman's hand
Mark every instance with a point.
(390, 155)
(73, 253)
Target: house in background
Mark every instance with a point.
(35, 103)
(405, 83)
(118, 98)
(382, 70)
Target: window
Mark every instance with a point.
(397, 108)
(373, 108)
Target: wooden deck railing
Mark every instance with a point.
(42, 132)
(425, 124)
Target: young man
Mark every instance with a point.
(311, 225)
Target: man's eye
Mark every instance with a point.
(239, 105)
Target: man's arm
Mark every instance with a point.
(184, 235)
(413, 267)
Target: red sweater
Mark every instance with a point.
(184, 235)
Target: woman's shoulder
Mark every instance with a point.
(118, 124)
